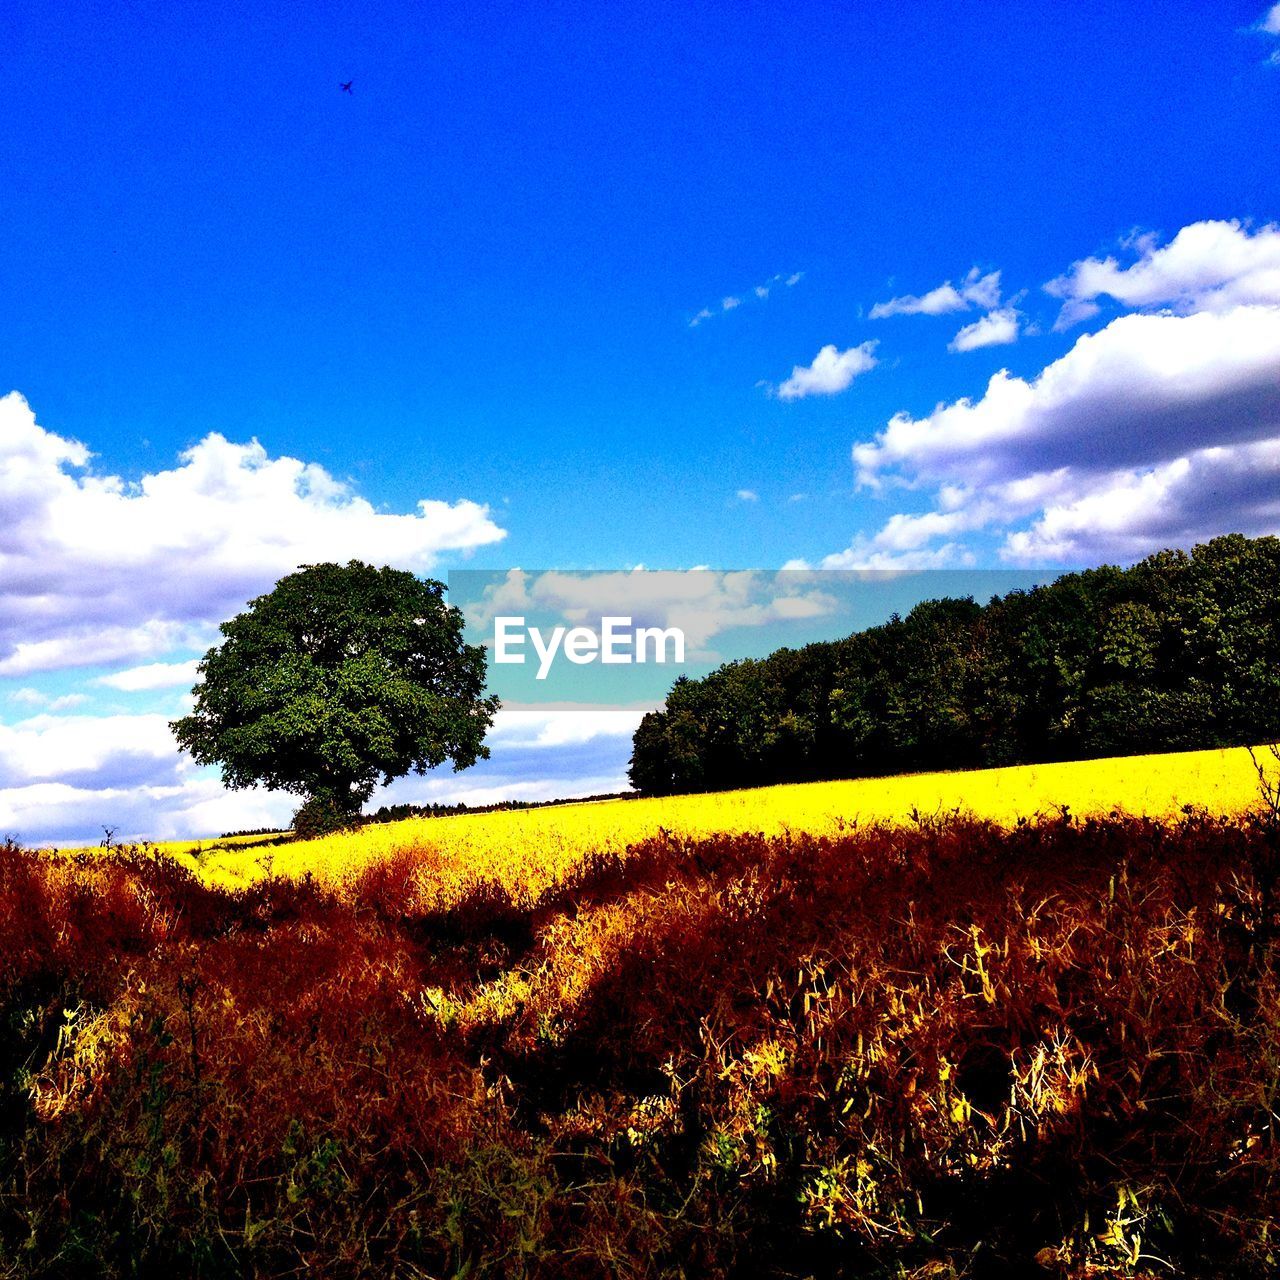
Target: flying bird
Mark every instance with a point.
(346, 88)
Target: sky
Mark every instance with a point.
(572, 287)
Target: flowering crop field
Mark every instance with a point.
(976, 1025)
(528, 850)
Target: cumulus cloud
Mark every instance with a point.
(1207, 266)
(59, 813)
(1144, 389)
(995, 329)
(530, 728)
(553, 769)
(64, 778)
(81, 750)
(101, 646)
(95, 570)
(975, 290)
(1073, 312)
(903, 543)
(865, 553)
(831, 372)
(154, 675)
(1270, 25)
(1187, 500)
(568, 781)
(1159, 429)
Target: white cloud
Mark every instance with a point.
(531, 791)
(748, 495)
(1133, 511)
(945, 298)
(539, 753)
(975, 290)
(529, 728)
(831, 372)
(1143, 389)
(1271, 21)
(100, 646)
(67, 701)
(64, 814)
(862, 553)
(732, 301)
(155, 675)
(903, 542)
(64, 778)
(95, 570)
(702, 603)
(910, 533)
(1207, 266)
(995, 329)
(1073, 312)
(95, 751)
(1158, 430)
(35, 698)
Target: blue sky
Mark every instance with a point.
(254, 320)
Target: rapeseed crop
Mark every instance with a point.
(528, 851)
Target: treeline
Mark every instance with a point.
(398, 812)
(1180, 651)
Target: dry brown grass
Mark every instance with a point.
(948, 1049)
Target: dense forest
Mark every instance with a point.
(1179, 651)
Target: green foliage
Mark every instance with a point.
(1180, 651)
(321, 816)
(340, 677)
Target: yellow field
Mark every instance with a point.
(527, 850)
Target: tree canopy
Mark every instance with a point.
(341, 677)
(1180, 651)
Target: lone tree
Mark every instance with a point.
(340, 677)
